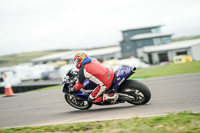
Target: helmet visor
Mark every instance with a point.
(76, 61)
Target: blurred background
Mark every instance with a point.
(38, 39)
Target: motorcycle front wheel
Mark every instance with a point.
(139, 91)
(76, 103)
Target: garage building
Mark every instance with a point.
(162, 53)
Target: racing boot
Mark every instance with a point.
(112, 98)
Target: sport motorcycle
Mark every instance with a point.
(131, 91)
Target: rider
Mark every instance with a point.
(90, 68)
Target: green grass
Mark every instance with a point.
(15, 59)
(49, 88)
(168, 70)
(184, 122)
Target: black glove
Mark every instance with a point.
(72, 91)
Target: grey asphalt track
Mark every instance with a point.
(169, 94)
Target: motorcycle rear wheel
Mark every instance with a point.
(136, 89)
(76, 103)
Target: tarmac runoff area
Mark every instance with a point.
(169, 95)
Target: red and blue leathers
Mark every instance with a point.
(99, 74)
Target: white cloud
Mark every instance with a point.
(48, 24)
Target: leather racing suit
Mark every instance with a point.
(97, 73)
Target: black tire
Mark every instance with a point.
(78, 104)
(132, 87)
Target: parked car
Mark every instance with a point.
(50, 75)
(129, 62)
(11, 76)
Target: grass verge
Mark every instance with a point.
(183, 122)
(15, 59)
(168, 70)
(49, 88)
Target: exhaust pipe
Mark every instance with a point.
(126, 97)
(134, 69)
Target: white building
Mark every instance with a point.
(161, 53)
(100, 54)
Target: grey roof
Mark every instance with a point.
(55, 56)
(172, 46)
(70, 54)
(144, 27)
(97, 52)
(149, 35)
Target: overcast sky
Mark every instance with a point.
(37, 25)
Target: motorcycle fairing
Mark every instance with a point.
(89, 85)
(121, 75)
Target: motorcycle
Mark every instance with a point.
(131, 91)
